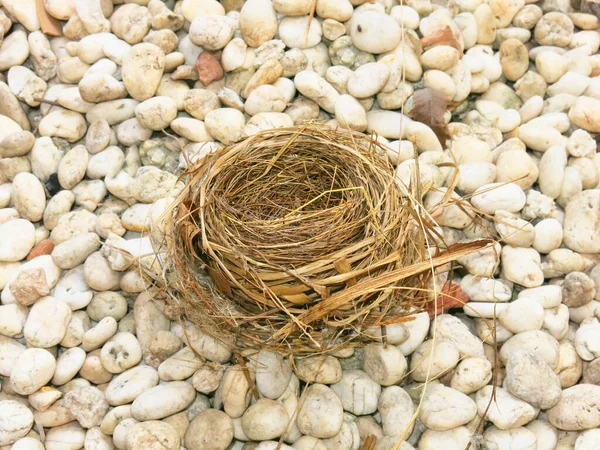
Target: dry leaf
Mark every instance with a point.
(48, 24)
(441, 37)
(429, 106)
(452, 296)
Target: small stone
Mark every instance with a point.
(211, 429)
(29, 286)
(163, 401)
(47, 322)
(33, 369)
(321, 413)
(129, 385)
(374, 32)
(529, 378)
(209, 68)
(577, 408)
(121, 352)
(358, 393)
(45, 247)
(506, 411)
(324, 369)
(258, 22)
(153, 435)
(15, 421)
(444, 408)
(266, 419)
(396, 409)
(273, 375)
(88, 405)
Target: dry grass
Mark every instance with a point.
(307, 239)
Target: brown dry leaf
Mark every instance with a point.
(429, 106)
(49, 24)
(441, 37)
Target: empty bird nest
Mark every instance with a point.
(301, 240)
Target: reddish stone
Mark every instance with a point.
(209, 67)
(452, 296)
(43, 248)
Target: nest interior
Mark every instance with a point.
(307, 239)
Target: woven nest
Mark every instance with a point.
(306, 238)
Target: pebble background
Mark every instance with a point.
(90, 359)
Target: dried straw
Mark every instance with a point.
(307, 239)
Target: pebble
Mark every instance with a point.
(444, 408)
(32, 369)
(321, 412)
(396, 409)
(152, 435)
(162, 401)
(529, 378)
(47, 322)
(576, 410)
(358, 392)
(209, 429)
(87, 404)
(15, 421)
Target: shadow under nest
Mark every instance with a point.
(300, 240)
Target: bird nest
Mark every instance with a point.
(299, 239)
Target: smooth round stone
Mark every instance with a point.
(522, 315)
(70, 436)
(587, 340)
(374, 32)
(163, 401)
(67, 365)
(455, 439)
(433, 359)
(28, 443)
(444, 408)
(324, 369)
(121, 352)
(156, 113)
(153, 435)
(581, 215)
(17, 238)
(266, 419)
(539, 342)
(396, 409)
(385, 364)
(33, 369)
(492, 197)
(507, 411)
(368, 80)
(520, 438)
(358, 393)
(258, 22)
(529, 378)
(142, 70)
(47, 322)
(15, 421)
(321, 413)
(292, 31)
(29, 196)
(211, 429)
(471, 374)
(273, 374)
(129, 385)
(577, 408)
(211, 32)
